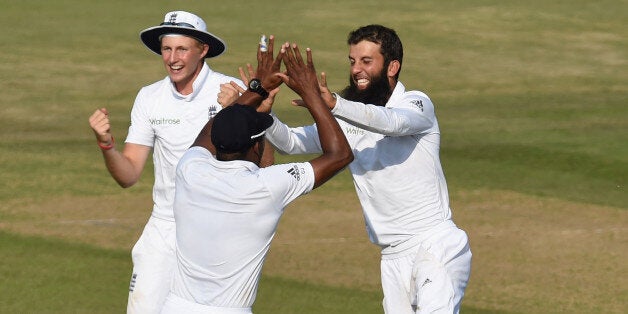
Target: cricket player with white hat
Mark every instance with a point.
(165, 119)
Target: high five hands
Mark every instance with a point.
(267, 68)
(300, 72)
(300, 75)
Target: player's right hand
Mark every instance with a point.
(229, 92)
(99, 122)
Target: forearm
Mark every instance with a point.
(336, 151)
(120, 168)
(329, 132)
(249, 98)
(126, 166)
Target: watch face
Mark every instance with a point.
(254, 84)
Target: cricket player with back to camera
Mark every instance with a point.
(226, 207)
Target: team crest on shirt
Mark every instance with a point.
(418, 103)
(211, 111)
(294, 171)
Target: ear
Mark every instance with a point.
(393, 68)
(205, 49)
(255, 153)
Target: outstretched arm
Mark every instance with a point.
(411, 114)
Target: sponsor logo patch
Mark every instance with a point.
(354, 131)
(294, 171)
(164, 121)
(418, 103)
(426, 282)
(133, 280)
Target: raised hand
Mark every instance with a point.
(268, 67)
(326, 94)
(229, 92)
(267, 104)
(300, 75)
(99, 122)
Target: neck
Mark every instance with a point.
(186, 87)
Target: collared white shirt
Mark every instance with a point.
(396, 169)
(169, 122)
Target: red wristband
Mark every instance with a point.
(106, 147)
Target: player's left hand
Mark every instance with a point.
(326, 94)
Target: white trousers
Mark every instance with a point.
(154, 262)
(432, 277)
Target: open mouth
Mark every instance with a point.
(362, 82)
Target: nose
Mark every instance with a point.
(355, 69)
(168, 56)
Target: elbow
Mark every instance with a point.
(343, 154)
(125, 183)
(350, 157)
(347, 157)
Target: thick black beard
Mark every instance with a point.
(377, 93)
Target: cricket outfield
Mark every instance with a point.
(532, 103)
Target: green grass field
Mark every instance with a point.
(532, 100)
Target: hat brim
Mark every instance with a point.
(150, 38)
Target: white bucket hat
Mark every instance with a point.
(183, 23)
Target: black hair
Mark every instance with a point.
(224, 156)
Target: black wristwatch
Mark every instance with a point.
(255, 86)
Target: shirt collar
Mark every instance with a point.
(396, 94)
(196, 85)
(234, 165)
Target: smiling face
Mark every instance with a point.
(183, 59)
(366, 62)
(370, 80)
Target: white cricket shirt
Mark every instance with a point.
(226, 214)
(396, 169)
(169, 122)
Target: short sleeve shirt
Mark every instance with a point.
(226, 215)
(169, 122)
